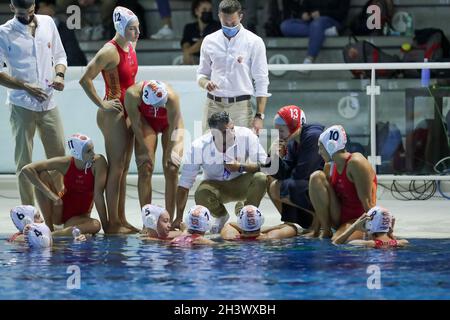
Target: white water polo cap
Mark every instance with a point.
(250, 219)
(198, 218)
(77, 142)
(150, 215)
(23, 215)
(39, 236)
(155, 94)
(333, 139)
(381, 220)
(122, 18)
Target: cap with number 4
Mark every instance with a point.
(39, 236)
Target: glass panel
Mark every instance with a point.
(327, 98)
(412, 128)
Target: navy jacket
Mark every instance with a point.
(301, 161)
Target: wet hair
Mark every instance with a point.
(195, 4)
(22, 4)
(218, 119)
(230, 6)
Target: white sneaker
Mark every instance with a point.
(219, 223)
(331, 32)
(163, 33)
(306, 61)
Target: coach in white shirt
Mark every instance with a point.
(230, 157)
(231, 59)
(31, 48)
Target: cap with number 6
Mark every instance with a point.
(22, 215)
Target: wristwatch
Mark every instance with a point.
(241, 168)
(259, 115)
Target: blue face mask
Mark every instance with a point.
(230, 31)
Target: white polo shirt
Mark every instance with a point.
(204, 154)
(234, 64)
(31, 59)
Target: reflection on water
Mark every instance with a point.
(120, 267)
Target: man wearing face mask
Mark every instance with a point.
(31, 47)
(231, 60)
(75, 56)
(194, 33)
(230, 158)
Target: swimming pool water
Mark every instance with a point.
(120, 267)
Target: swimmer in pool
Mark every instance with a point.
(198, 222)
(157, 224)
(378, 224)
(23, 216)
(249, 227)
(38, 236)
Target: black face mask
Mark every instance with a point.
(206, 17)
(24, 21)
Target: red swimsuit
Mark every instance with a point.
(240, 237)
(156, 117)
(385, 244)
(119, 79)
(78, 197)
(351, 206)
(185, 239)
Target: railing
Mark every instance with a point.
(74, 104)
(372, 90)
